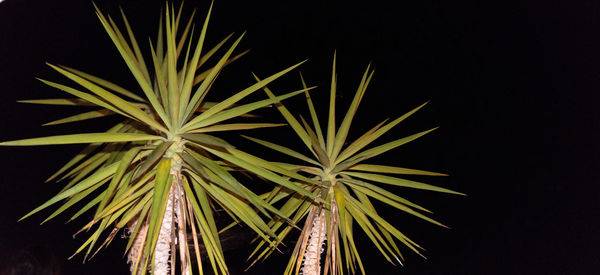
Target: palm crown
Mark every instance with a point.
(346, 186)
(155, 172)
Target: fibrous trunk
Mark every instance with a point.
(163, 245)
(174, 217)
(136, 248)
(312, 257)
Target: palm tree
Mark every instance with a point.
(155, 173)
(346, 186)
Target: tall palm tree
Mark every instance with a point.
(158, 172)
(346, 186)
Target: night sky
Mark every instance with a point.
(513, 86)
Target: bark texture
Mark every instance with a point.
(162, 254)
(163, 246)
(136, 247)
(173, 214)
(181, 231)
(312, 257)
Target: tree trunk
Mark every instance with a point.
(312, 257)
(162, 252)
(136, 247)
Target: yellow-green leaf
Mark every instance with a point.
(400, 182)
(393, 170)
(81, 138)
(82, 116)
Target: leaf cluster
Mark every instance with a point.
(166, 149)
(346, 184)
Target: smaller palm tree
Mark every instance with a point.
(347, 186)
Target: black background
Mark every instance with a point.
(513, 86)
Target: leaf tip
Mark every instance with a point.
(399, 261)
(40, 79)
